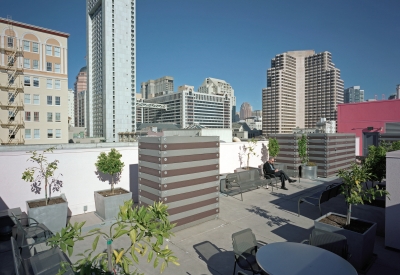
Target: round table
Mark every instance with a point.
(286, 258)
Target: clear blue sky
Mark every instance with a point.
(235, 40)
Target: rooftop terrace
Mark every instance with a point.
(207, 248)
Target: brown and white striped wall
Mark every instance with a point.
(182, 172)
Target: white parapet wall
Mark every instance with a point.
(78, 171)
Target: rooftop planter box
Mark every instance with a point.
(107, 204)
(361, 245)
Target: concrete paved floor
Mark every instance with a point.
(207, 248)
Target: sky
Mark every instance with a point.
(235, 40)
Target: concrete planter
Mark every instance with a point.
(361, 246)
(54, 216)
(309, 172)
(108, 207)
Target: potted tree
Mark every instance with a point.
(51, 211)
(109, 167)
(308, 169)
(360, 234)
(143, 230)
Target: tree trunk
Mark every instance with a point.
(248, 160)
(112, 184)
(348, 217)
(45, 189)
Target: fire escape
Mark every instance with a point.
(13, 87)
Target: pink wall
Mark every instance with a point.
(356, 117)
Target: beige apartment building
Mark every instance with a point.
(302, 88)
(33, 84)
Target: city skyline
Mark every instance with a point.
(236, 42)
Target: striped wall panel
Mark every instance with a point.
(331, 152)
(182, 172)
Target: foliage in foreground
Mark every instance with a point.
(302, 148)
(45, 171)
(273, 147)
(145, 230)
(353, 189)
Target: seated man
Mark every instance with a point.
(270, 169)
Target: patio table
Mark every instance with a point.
(287, 258)
(49, 262)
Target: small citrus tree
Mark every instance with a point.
(273, 147)
(144, 230)
(45, 171)
(302, 148)
(110, 164)
(353, 190)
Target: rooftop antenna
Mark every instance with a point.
(376, 97)
(383, 96)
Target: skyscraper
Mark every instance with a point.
(220, 87)
(111, 66)
(245, 110)
(152, 87)
(80, 87)
(353, 94)
(302, 87)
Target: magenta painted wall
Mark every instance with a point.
(356, 117)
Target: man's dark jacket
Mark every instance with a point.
(268, 169)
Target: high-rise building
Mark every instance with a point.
(111, 67)
(71, 107)
(220, 87)
(353, 94)
(302, 87)
(33, 84)
(245, 110)
(80, 87)
(257, 113)
(152, 88)
(187, 108)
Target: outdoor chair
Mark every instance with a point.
(34, 232)
(270, 177)
(48, 262)
(332, 242)
(245, 248)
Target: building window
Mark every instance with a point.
(58, 117)
(57, 68)
(36, 116)
(27, 98)
(49, 117)
(58, 100)
(11, 61)
(35, 64)
(57, 51)
(28, 133)
(57, 84)
(11, 97)
(36, 100)
(49, 133)
(10, 79)
(48, 50)
(10, 42)
(49, 66)
(58, 133)
(36, 133)
(27, 46)
(49, 84)
(35, 47)
(27, 116)
(27, 63)
(27, 81)
(49, 100)
(36, 82)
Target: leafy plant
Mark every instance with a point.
(302, 148)
(110, 164)
(273, 147)
(45, 171)
(144, 229)
(250, 150)
(376, 159)
(310, 163)
(353, 190)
